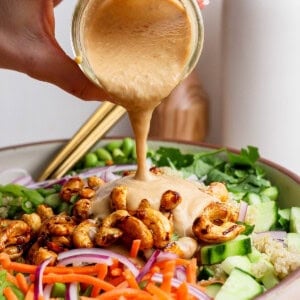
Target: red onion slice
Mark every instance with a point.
(72, 291)
(100, 252)
(146, 268)
(47, 291)
(243, 211)
(278, 235)
(38, 284)
(82, 259)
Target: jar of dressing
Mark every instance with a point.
(137, 50)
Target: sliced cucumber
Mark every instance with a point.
(253, 198)
(212, 254)
(284, 218)
(213, 289)
(262, 269)
(293, 242)
(239, 286)
(263, 215)
(295, 220)
(270, 192)
(238, 261)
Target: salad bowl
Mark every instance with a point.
(33, 158)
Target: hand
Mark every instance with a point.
(28, 45)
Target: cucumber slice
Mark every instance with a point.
(239, 286)
(293, 242)
(238, 261)
(270, 192)
(284, 218)
(263, 215)
(295, 220)
(213, 289)
(212, 254)
(253, 198)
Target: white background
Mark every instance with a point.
(250, 68)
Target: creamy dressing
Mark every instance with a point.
(193, 199)
(139, 51)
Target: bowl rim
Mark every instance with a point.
(268, 162)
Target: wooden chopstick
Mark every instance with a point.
(90, 140)
(93, 122)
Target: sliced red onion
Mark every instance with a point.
(72, 291)
(156, 277)
(243, 211)
(278, 235)
(15, 175)
(180, 273)
(98, 251)
(162, 255)
(81, 259)
(148, 265)
(38, 284)
(47, 291)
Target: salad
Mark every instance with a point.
(47, 247)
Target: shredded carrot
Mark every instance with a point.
(182, 291)
(22, 282)
(9, 293)
(12, 279)
(66, 278)
(157, 291)
(130, 279)
(135, 247)
(128, 293)
(30, 293)
(116, 272)
(168, 274)
(101, 275)
(191, 271)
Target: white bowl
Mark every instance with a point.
(35, 157)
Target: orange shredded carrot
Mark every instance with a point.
(168, 274)
(128, 293)
(82, 278)
(9, 293)
(101, 275)
(130, 279)
(135, 248)
(30, 269)
(30, 293)
(22, 282)
(182, 291)
(12, 279)
(191, 271)
(116, 272)
(157, 291)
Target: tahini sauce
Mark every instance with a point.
(139, 51)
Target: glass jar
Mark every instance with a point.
(192, 10)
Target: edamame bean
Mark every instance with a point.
(113, 145)
(127, 146)
(103, 154)
(119, 156)
(90, 160)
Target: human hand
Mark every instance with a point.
(28, 45)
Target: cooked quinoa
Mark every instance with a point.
(284, 261)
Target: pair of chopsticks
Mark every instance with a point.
(87, 136)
